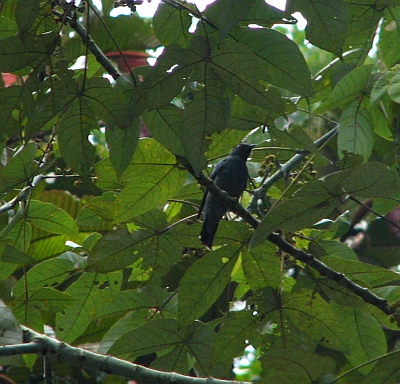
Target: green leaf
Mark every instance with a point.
(246, 117)
(284, 64)
(8, 27)
(165, 80)
(386, 370)
(390, 37)
(115, 250)
(295, 365)
(241, 70)
(332, 248)
(91, 292)
(356, 131)
(11, 99)
(49, 299)
(366, 339)
(226, 14)
(266, 15)
(15, 256)
(125, 324)
(372, 179)
(370, 275)
(235, 334)
(18, 232)
(74, 129)
(262, 266)
(317, 319)
(203, 283)
(150, 180)
(18, 53)
(122, 145)
(296, 138)
(22, 166)
(207, 113)
(145, 298)
(50, 218)
(160, 334)
(165, 126)
(49, 273)
(312, 205)
(348, 89)
(171, 25)
(26, 13)
(109, 103)
(326, 23)
(160, 247)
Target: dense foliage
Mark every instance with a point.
(100, 187)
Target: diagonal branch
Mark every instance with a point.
(233, 205)
(50, 347)
(289, 165)
(75, 24)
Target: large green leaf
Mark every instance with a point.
(149, 180)
(166, 79)
(326, 22)
(226, 14)
(26, 13)
(18, 52)
(165, 126)
(18, 232)
(295, 366)
(207, 113)
(109, 103)
(317, 319)
(21, 167)
(171, 25)
(348, 89)
(262, 267)
(160, 334)
(386, 370)
(356, 131)
(122, 145)
(74, 129)
(204, 281)
(390, 37)
(235, 333)
(49, 273)
(313, 204)
(370, 275)
(372, 179)
(263, 14)
(285, 66)
(50, 218)
(91, 292)
(296, 138)
(13, 98)
(366, 339)
(241, 70)
(115, 250)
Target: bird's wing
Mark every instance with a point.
(214, 174)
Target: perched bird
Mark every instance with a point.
(230, 175)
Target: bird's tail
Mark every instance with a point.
(210, 227)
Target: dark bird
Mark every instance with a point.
(230, 175)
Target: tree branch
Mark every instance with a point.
(64, 353)
(233, 205)
(76, 25)
(289, 165)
